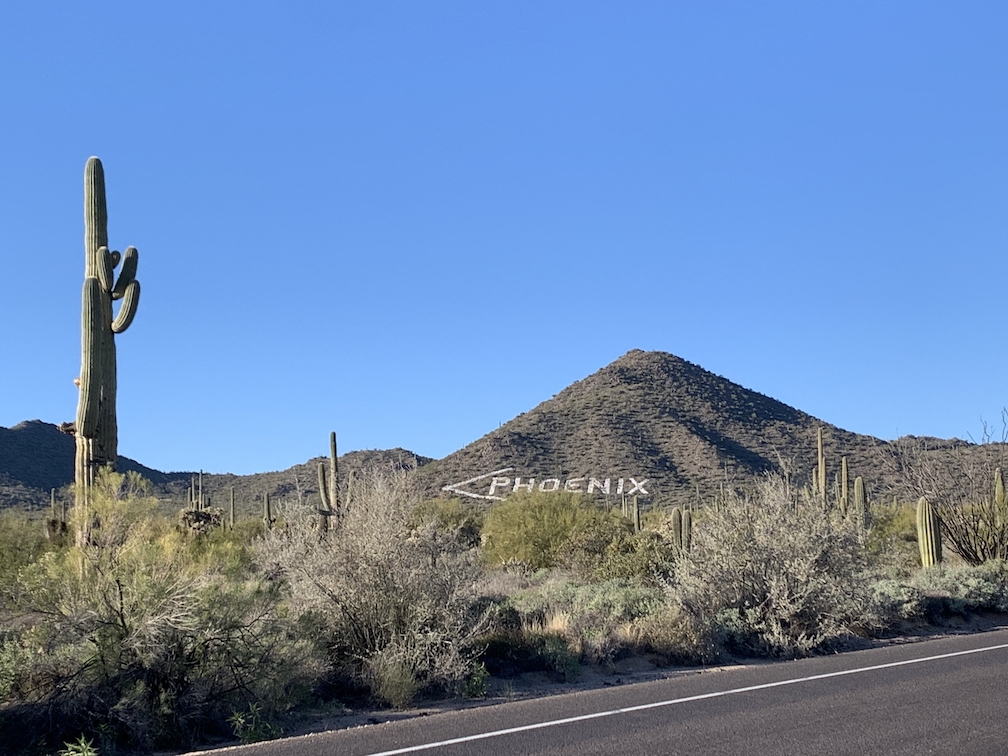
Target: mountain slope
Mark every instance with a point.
(656, 416)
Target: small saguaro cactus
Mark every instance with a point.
(231, 512)
(329, 491)
(55, 524)
(821, 468)
(95, 428)
(636, 515)
(860, 501)
(928, 534)
(844, 488)
(268, 518)
(1000, 502)
(682, 529)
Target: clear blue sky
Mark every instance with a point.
(410, 222)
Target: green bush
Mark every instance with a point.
(607, 549)
(892, 539)
(22, 541)
(534, 528)
(967, 588)
(452, 514)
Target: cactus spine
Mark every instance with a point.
(928, 534)
(329, 491)
(95, 427)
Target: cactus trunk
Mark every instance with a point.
(329, 491)
(821, 469)
(928, 534)
(844, 487)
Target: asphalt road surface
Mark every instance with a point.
(946, 696)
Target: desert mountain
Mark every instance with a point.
(654, 416)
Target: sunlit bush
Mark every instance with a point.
(534, 529)
(391, 594)
(770, 576)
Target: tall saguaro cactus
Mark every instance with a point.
(95, 428)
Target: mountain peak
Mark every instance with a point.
(647, 415)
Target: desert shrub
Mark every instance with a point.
(392, 596)
(961, 482)
(611, 602)
(894, 601)
(22, 540)
(123, 639)
(511, 653)
(593, 621)
(534, 528)
(767, 576)
(451, 514)
(891, 541)
(604, 549)
(936, 593)
(966, 588)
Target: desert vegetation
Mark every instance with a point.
(133, 631)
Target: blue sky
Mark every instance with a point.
(410, 222)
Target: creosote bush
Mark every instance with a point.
(390, 592)
(770, 576)
(534, 528)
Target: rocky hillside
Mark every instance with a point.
(651, 415)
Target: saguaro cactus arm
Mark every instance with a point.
(131, 300)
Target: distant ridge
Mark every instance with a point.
(36, 457)
(650, 423)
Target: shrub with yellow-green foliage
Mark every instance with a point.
(22, 541)
(534, 528)
(609, 549)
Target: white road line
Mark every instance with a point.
(673, 701)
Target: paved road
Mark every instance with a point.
(947, 696)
